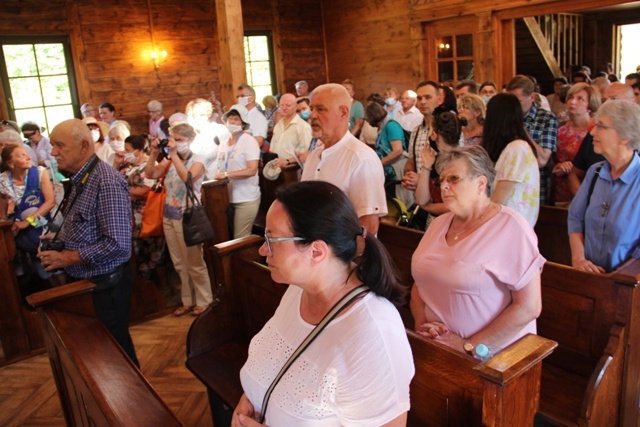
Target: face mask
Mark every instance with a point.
(130, 157)
(243, 100)
(305, 115)
(95, 134)
(233, 129)
(117, 146)
(486, 98)
(390, 101)
(183, 148)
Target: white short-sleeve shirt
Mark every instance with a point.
(356, 373)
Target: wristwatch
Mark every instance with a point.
(468, 347)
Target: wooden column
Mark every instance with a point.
(231, 42)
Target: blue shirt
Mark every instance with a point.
(98, 224)
(542, 127)
(611, 222)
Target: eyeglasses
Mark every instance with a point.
(152, 112)
(269, 240)
(451, 179)
(28, 134)
(601, 125)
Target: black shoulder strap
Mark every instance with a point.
(593, 185)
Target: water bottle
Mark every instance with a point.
(483, 353)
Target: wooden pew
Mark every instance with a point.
(449, 388)
(551, 229)
(97, 383)
(593, 378)
(268, 189)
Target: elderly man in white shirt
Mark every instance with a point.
(409, 116)
(259, 126)
(291, 135)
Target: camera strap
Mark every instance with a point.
(79, 189)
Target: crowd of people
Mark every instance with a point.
(474, 163)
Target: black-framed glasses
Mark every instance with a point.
(269, 240)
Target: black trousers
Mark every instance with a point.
(112, 302)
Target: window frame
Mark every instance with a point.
(35, 40)
(272, 70)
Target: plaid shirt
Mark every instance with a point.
(543, 129)
(418, 139)
(98, 224)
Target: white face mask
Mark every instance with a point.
(95, 134)
(117, 146)
(243, 100)
(233, 129)
(183, 148)
(486, 98)
(130, 157)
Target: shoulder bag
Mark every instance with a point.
(196, 227)
(154, 209)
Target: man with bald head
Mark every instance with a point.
(96, 231)
(342, 159)
(291, 135)
(585, 157)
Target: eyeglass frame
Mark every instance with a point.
(601, 126)
(268, 240)
(453, 179)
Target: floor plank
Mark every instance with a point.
(28, 395)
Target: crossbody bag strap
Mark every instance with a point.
(335, 311)
(593, 185)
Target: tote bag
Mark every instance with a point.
(154, 210)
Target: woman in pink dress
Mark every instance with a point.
(477, 268)
(583, 101)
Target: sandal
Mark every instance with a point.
(197, 310)
(181, 311)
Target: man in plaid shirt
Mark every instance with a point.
(96, 230)
(542, 126)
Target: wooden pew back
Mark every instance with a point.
(551, 229)
(97, 383)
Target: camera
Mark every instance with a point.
(162, 145)
(52, 245)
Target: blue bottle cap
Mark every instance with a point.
(482, 350)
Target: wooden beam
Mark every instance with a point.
(78, 53)
(232, 70)
(543, 45)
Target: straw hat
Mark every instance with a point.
(104, 127)
(271, 171)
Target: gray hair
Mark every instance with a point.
(9, 136)
(154, 105)
(477, 159)
(185, 130)
(625, 119)
(119, 129)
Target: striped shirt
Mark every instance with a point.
(98, 224)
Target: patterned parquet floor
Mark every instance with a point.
(28, 394)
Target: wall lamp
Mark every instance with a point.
(156, 56)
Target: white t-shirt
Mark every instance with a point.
(235, 158)
(205, 145)
(354, 168)
(409, 120)
(258, 122)
(356, 373)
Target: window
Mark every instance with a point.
(38, 81)
(455, 58)
(630, 58)
(258, 52)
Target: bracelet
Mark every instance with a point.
(32, 221)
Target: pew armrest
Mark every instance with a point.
(605, 382)
(73, 297)
(516, 359)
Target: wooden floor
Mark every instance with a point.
(28, 393)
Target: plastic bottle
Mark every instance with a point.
(483, 353)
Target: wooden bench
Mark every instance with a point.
(449, 388)
(593, 378)
(97, 383)
(551, 229)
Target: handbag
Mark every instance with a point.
(151, 225)
(335, 310)
(196, 227)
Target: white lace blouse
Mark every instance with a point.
(356, 373)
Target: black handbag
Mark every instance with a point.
(195, 222)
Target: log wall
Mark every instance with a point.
(111, 43)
